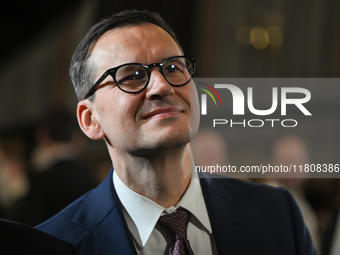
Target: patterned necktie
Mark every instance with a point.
(177, 224)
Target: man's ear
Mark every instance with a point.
(87, 120)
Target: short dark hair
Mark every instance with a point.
(81, 71)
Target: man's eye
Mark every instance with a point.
(170, 69)
(173, 68)
(132, 77)
(128, 77)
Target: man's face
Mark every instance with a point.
(159, 117)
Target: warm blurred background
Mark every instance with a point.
(244, 38)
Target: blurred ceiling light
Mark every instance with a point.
(259, 38)
(275, 36)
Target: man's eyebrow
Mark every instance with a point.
(163, 59)
(129, 66)
(166, 58)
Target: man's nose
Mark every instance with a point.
(158, 87)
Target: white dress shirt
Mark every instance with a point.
(142, 214)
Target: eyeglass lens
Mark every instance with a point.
(134, 77)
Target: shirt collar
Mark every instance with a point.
(193, 201)
(148, 212)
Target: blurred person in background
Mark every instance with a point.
(209, 149)
(292, 150)
(14, 183)
(331, 233)
(57, 178)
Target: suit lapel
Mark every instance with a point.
(108, 225)
(227, 219)
(102, 216)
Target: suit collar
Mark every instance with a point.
(227, 216)
(103, 197)
(106, 223)
(220, 195)
(220, 186)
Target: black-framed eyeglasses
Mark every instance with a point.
(134, 77)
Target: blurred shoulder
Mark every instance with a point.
(16, 238)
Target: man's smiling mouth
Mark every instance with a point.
(162, 113)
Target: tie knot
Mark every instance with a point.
(176, 222)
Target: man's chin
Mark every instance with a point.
(162, 145)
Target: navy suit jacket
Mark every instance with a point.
(246, 218)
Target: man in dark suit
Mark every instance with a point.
(16, 238)
(135, 90)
